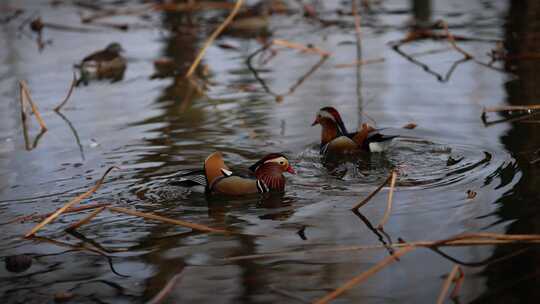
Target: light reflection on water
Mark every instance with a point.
(156, 127)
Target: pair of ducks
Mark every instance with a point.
(266, 175)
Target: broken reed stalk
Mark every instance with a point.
(358, 62)
(458, 284)
(163, 293)
(357, 29)
(212, 37)
(386, 215)
(511, 108)
(26, 98)
(301, 47)
(372, 194)
(73, 82)
(447, 284)
(497, 239)
(74, 201)
(34, 216)
(452, 41)
(364, 275)
(156, 217)
(86, 219)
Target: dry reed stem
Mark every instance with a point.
(190, 7)
(364, 275)
(213, 37)
(511, 108)
(27, 97)
(357, 28)
(511, 239)
(34, 216)
(359, 62)
(86, 219)
(74, 201)
(457, 285)
(73, 82)
(72, 210)
(452, 41)
(301, 47)
(163, 293)
(386, 215)
(447, 283)
(156, 217)
(371, 195)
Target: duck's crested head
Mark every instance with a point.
(114, 47)
(273, 159)
(330, 115)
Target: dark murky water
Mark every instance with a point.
(155, 127)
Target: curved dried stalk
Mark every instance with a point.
(371, 195)
(447, 283)
(496, 239)
(389, 201)
(73, 82)
(26, 98)
(86, 219)
(213, 37)
(364, 275)
(74, 201)
(156, 217)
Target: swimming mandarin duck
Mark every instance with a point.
(216, 177)
(335, 139)
(107, 63)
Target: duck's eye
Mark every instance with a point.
(281, 162)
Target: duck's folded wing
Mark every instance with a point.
(236, 185)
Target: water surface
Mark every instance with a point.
(153, 127)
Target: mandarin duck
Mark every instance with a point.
(335, 139)
(266, 175)
(103, 64)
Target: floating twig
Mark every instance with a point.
(86, 219)
(213, 37)
(452, 41)
(527, 108)
(73, 82)
(74, 201)
(34, 216)
(386, 215)
(301, 47)
(358, 63)
(372, 194)
(364, 275)
(156, 217)
(467, 240)
(447, 283)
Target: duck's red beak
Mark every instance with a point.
(316, 122)
(291, 170)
